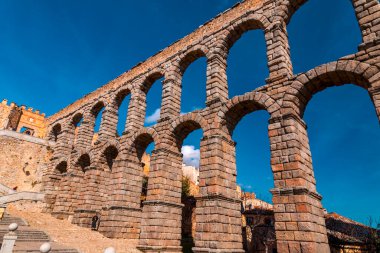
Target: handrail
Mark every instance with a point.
(17, 196)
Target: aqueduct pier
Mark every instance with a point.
(105, 176)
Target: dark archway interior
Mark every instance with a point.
(110, 155)
(84, 162)
(56, 131)
(62, 167)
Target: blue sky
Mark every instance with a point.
(54, 52)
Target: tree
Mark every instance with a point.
(185, 187)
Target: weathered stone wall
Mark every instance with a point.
(105, 176)
(4, 113)
(22, 161)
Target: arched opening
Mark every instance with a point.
(84, 162)
(62, 167)
(153, 91)
(143, 147)
(122, 103)
(55, 132)
(188, 136)
(97, 113)
(247, 123)
(344, 138)
(27, 131)
(318, 34)
(109, 155)
(247, 66)
(193, 70)
(76, 123)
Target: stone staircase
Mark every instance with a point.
(29, 240)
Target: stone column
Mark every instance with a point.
(9, 239)
(367, 12)
(218, 212)
(50, 182)
(108, 125)
(278, 52)
(374, 93)
(216, 85)
(123, 214)
(90, 198)
(171, 94)
(299, 216)
(162, 210)
(63, 146)
(136, 111)
(70, 188)
(86, 131)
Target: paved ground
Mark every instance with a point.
(65, 233)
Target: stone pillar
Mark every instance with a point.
(86, 131)
(171, 94)
(216, 85)
(70, 188)
(278, 52)
(108, 125)
(299, 216)
(50, 182)
(91, 197)
(162, 210)
(123, 215)
(367, 12)
(136, 111)
(9, 239)
(374, 93)
(63, 145)
(218, 212)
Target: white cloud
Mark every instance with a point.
(154, 117)
(245, 187)
(190, 155)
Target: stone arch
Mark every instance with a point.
(237, 107)
(186, 124)
(95, 109)
(286, 9)
(276, 41)
(87, 154)
(140, 141)
(139, 98)
(84, 162)
(172, 89)
(150, 79)
(112, 116)
(188, 57)
(94, 114)
(118, 98)
(120, 95)
(336, 73)
(236, 30)
(109, 143)
(76, 118)
(108, 154)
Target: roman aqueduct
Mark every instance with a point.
(106, 176)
